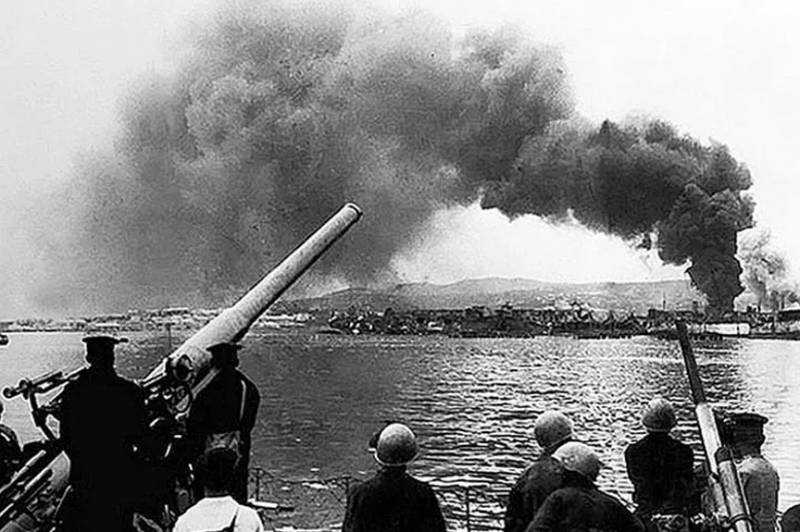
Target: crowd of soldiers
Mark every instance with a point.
(557, 492)
(124, 465)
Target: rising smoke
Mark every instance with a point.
(640, 180)
(766, 272)
(278, 115)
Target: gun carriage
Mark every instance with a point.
(32, 499)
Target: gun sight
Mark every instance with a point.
(41, 384)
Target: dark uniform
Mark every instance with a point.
(102, 419)
(660, 469)
(541, 479)
(579, 506)
(10, 453)
(393, 501)
(221, 407)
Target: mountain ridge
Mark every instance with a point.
(520, 292)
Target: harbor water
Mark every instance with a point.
(472, 402)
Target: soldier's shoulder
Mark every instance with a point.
(610, 500)
(755, 464)
(637, 446)
(359, 488)
(74, 385)
(420, 483)
(545, 467)
(245, 379)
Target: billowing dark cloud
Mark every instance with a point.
(278, 114)
(640, 180)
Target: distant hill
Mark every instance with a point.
(526, 293)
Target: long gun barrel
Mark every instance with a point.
(191, 363)
(191, 358)
(726, 487)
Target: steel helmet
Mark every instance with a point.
(552, 427)
(579, 457)
(397, 446)
(659, 416)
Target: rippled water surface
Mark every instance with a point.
(471, 401)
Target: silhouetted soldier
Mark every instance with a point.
(102, 419)
(579, 506)
(660, 467)
(392, 500)
(760, 480)
(10, 453)
(223, 415)
(552, 429)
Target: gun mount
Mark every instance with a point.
(30, 389)
(730, 504)
(169, 386)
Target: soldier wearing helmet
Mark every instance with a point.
(552, 429)
(102, 420)
(579, 505)
(392, 500)
(744, 433)
(660, 467)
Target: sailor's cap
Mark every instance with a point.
(747, 420)
(102, 339)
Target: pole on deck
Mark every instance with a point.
(724, 478)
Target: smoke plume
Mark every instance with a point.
(279, 114)
(766, 272)
(640, 180)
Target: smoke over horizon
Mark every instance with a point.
(277, 115)
(766, 272)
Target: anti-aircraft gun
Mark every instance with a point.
(30, 501)
(725, 487)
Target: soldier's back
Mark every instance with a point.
(538, 481)
(583, 509)
(101, 419)
(761, 485)
(393, 501)
(660, 468)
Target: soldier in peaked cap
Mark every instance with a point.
(660, 467)
(745, 435)
(102, 421)
(223, 415)
(393, 500)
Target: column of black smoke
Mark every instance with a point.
(278, 114)
(640, 180)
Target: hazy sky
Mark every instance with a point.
(725, 70)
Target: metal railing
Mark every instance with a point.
(319, 503)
